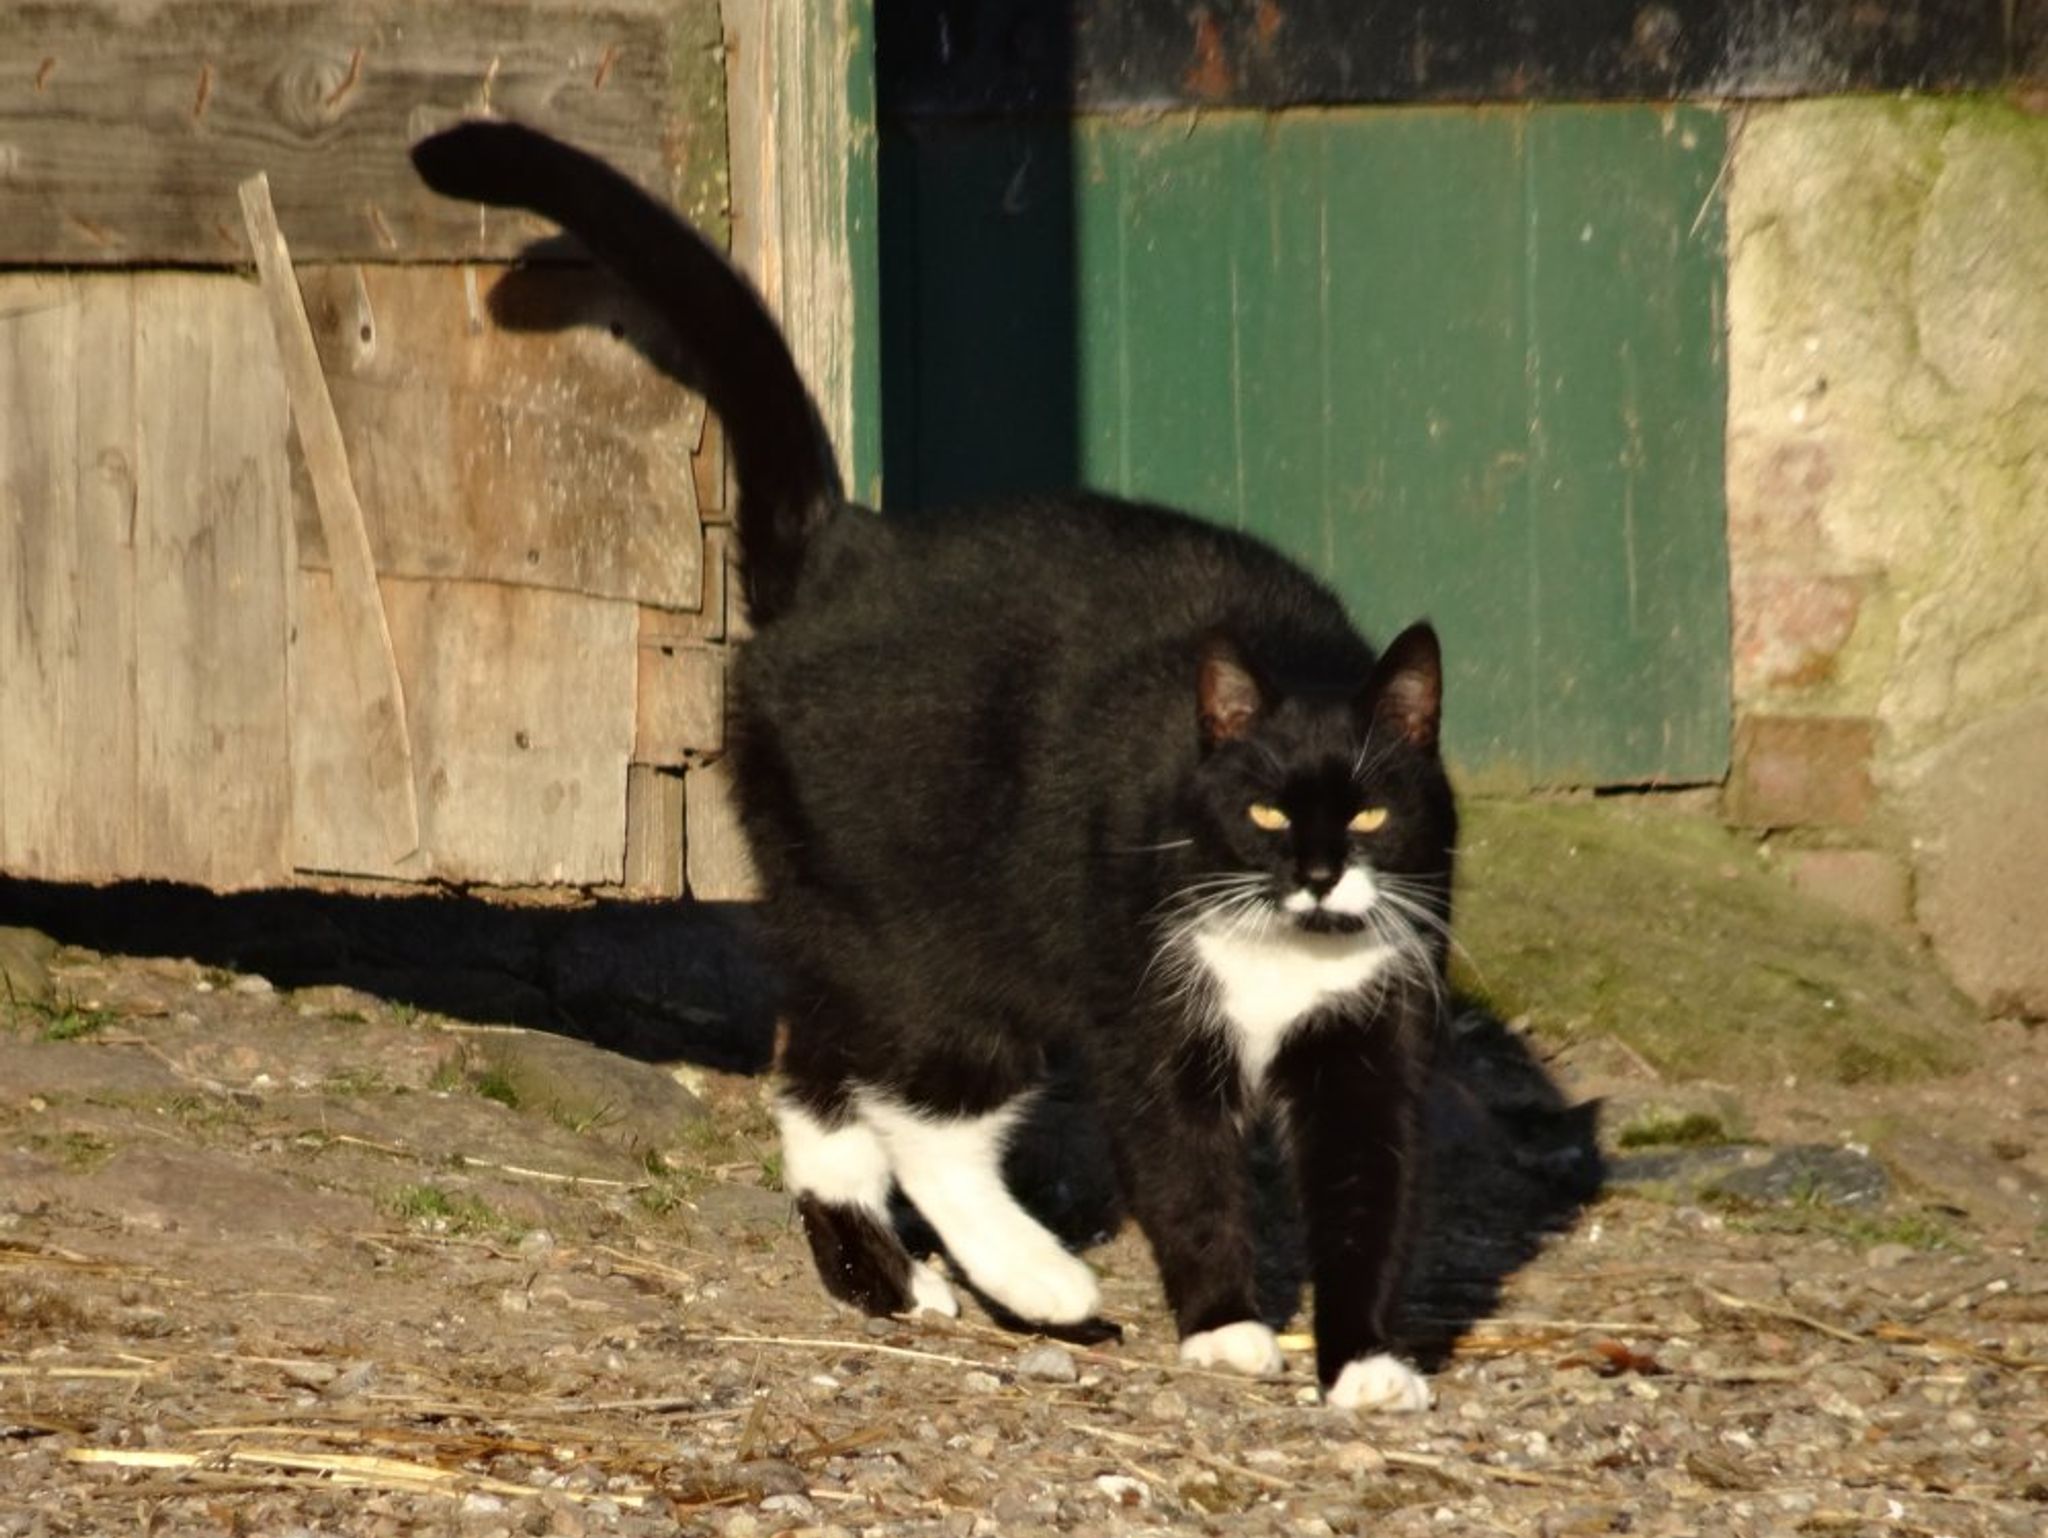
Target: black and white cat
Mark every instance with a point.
(1071, 774)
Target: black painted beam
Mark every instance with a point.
(953, 57)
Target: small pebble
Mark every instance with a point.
(1358, 1459)
(979, 1382)
(1124, 1490)
(1048, 1364)
(1882, 1257)
(1167, 1405)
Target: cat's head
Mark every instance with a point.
(1324, 810)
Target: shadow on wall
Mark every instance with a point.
(980, 318)
(663, 981)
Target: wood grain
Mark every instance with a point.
(654, 832)
(67, 511)
(211, 554)
(795, 153)
(720, 867)
(128, 124)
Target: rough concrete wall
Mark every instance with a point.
(1888, 508)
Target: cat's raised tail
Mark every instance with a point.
(788, 479)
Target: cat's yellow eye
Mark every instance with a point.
(1371, 820)
(1269, 818)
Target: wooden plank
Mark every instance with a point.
(707, 471)
(366, 698)
(659, 626)
(521, 705)
(1631, 648)
(720, 868)
(654, 832)
(800, 89)
(67, 505)
(681, 703)
(129, 123)
(548, 452)
(211, 553)
(97, 747)
(1425, 409)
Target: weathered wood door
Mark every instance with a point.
(179, 689)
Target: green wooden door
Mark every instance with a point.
(1462, 362)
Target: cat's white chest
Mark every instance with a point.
(1267, 984)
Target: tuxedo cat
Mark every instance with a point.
(1066, 775)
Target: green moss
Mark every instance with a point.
(446, 1212)
(1812, 1213)
(80, 1151)
(59, 1019)
(482, 1075)
(1670, 934)
(1670, 1129)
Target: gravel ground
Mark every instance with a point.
(279, 1262)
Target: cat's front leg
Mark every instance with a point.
(1351, 1098)
(1181, 1160)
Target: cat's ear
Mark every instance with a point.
(1226, 691)
(1406, 689)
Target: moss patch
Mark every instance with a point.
(1669, 933)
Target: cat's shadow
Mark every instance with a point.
(1511, 1162)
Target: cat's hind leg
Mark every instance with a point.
(838, 1171)
(951, 1168)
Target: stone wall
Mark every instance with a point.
(1888, 515)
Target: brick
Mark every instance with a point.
(1791, 626)
(1801, 771)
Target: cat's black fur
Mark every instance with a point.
(986, 762)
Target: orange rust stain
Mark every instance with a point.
(1267, 21)
(98, 234)
(349, 81)
(604, 66)
(205, 92)
(1209, 74)
(43, 75)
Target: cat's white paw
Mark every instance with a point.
(1246, 1346)
(1381, 1383)
(929, 1293)
(1051, 1287)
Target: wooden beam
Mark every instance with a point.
(128, 124)
(370, 698)
(803, 190)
